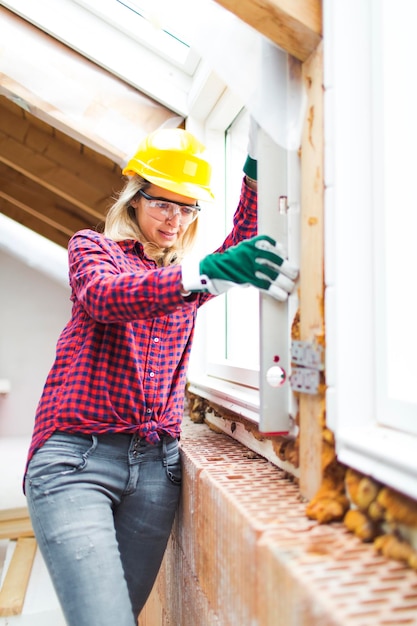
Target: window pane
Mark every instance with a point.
(242, 305)
(395, 219)
(400, 139)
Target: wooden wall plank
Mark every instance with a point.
(294, 25)
(312, 268)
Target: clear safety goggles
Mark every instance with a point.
(162, 209)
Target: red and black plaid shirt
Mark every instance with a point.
(121, 361)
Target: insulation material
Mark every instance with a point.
(383, 515)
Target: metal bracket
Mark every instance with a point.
(307, 354)
(305, 380)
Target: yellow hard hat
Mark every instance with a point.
(171, 158)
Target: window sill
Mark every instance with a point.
(387, 455)
(244, 403)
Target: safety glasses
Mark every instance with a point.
(162, 209)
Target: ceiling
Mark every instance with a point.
(80, 87)
(60, 166)
(49, 182)
(76, 99)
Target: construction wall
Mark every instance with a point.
(244, 552)
(253, 545)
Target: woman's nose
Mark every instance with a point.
(174, 218)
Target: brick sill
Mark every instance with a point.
(243, 403)
(243, 552)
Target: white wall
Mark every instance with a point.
(33, 310)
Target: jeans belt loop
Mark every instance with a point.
(164, 451)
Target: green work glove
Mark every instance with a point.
(258, 261)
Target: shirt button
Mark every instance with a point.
(152, 374)
(149, 410)
(156, 339)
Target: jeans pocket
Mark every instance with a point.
(61, 455)
(174, 468)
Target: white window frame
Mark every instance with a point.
(243, 389)
(222, 383)
(351, 250)
(226, 359)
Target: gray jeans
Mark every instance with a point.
(102, 509)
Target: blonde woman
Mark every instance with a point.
(104, 473)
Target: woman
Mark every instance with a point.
(104, 474)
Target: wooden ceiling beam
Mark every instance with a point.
(40, 216)
(33, 222)
(294, 25)
(49, 175)
(40, 136)
(26, 193)
(61, 168)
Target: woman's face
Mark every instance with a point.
(166, 232)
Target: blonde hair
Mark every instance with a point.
(121, 224)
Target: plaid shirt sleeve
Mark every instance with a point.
(245, 226)
(245, 219)
(109, 294)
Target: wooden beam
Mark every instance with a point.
(13, 591)
(34, 223)
(15, 523)
(64, 169)
(19, 512)
(40, 216)
(294, 25)
(48, 174)
(77, 146)
(312, 407)
(36, 200)
(43, 138)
